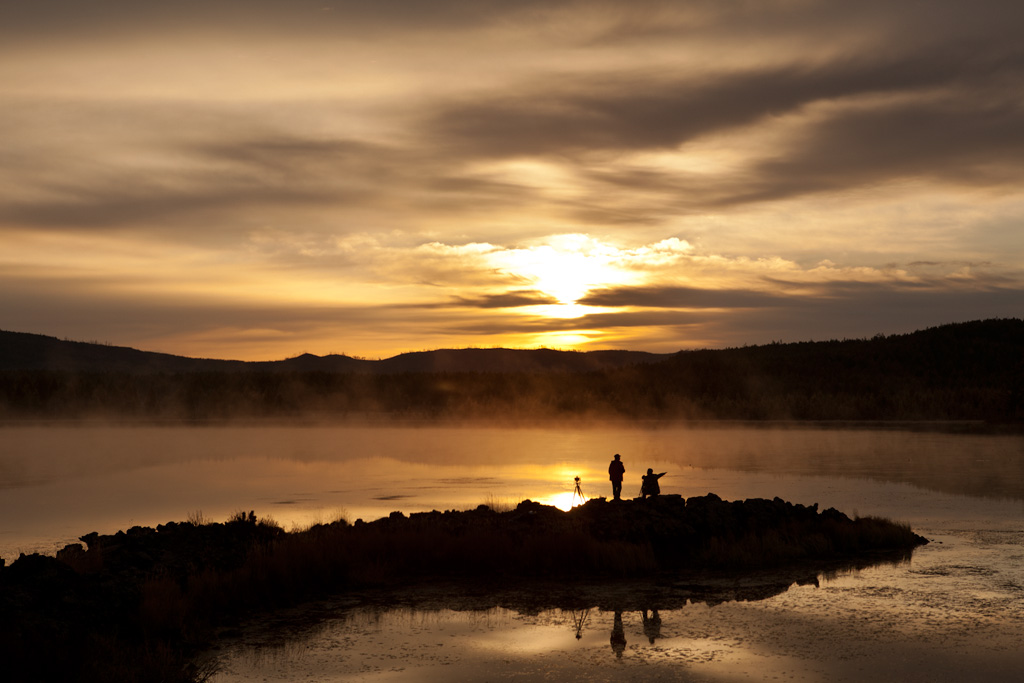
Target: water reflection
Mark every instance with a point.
(618, 639)
(537, 631)
(652, 625)
(954, 614)
(579, 618)
(651, 629)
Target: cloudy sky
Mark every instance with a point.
(255, 179)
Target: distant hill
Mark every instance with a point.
(961, 371)
(21, 351)
(966, 371)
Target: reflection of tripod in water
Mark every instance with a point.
(580, 618)
(578, 492)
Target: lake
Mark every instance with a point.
(954, 611)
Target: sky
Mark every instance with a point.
(256, 179)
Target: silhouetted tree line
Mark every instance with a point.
(966, 371)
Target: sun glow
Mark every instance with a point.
(566, 339)
(571, 495)
(565, 311)
(564, 501)
(566, 267)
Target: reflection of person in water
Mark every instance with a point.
(650, 487)
(618, 635)
(652, 625)
(615, 471)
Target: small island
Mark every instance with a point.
(140, 604)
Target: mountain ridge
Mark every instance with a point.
(25, 351)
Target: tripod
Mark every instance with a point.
(578, 492)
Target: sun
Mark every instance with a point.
(566, 267)
(563, 275)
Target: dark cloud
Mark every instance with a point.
(634, 111)
(529, 325)
(952, 285)
(956, 141)
(968, 143)
(134, 205)
(875, 25)
(103, 19)
(223, 175)
(291, 154)
(1001, 289)
(212, 187)
(611, 22)
(679, 297)
(515, 299)
(951, 115)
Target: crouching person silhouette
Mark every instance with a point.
(650, 487)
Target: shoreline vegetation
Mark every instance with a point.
(144, 604)
(964, 372)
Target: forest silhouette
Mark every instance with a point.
(959, 372)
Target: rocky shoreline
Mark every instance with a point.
(140, 604)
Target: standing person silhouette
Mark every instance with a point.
(650, 487)
(615, 471)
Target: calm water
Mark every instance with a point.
(954, 612)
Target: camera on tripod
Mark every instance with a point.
(578, 492)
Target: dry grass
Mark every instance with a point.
(196, 518)
(502, 503)
(322, 517)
